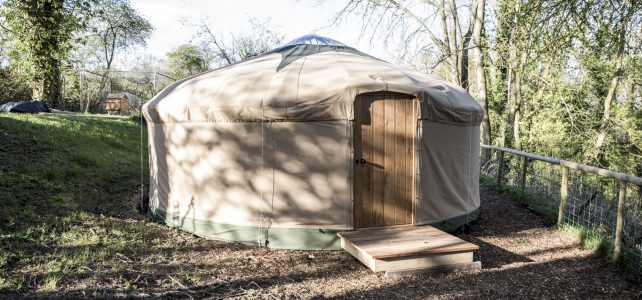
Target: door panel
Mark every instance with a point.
(385, 126)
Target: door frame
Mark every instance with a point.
(356, 145)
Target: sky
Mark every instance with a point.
(292, 18)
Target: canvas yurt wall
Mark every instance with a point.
(263, 151)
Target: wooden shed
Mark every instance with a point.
(121, 104)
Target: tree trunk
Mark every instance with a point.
(109, 54)
(639, 174)
(511, 80)
(592, 156)
(482, 96)
(109, 44)
(517, 141)
(500, 67)
(448, 53)
(53, 84)
(630, 95)
(464, 58)
(510, 102)
(45, 26)
(458, 65)
(37, 88)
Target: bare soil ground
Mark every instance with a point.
(522, 257)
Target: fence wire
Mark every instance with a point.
(86, 91)
(591, 202)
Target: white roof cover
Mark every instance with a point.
(310, 78)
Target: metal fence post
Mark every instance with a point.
(563, 196)
(619, 225)
(500, 168)
(523, 183)
(154, 86)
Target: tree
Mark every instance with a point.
(556, 77)
(508, 29)
(482, 95)
(187, 60)
(442, 41)
(113, 26)
(40, 35)
(110, 27)
(15, 83)
(409, 22)
(39, 32)
(241, 46)
(619, 40)
(17, 87)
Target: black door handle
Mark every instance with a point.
(363, 161)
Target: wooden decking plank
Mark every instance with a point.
(409, 229)
(401, 238)
(396, 228)
(398, 236)
(436, 270)
(402, 231)
(421, 261)
(407, 248)
(419, 251)
(406, 241)
(395, 236)
(359, 254)
(415, 243)
(398, 239)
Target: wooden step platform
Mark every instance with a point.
(401, 250)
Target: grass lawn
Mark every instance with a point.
(68, 189)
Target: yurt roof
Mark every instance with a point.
(310, 78)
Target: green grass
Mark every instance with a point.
(66, 198)
(592, 239)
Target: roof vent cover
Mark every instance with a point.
(313, 39)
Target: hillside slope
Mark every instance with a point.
(66, 185)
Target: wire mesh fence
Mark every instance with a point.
(591, 202)
(87, 91)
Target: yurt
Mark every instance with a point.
(294, 145)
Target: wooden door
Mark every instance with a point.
(384, 181)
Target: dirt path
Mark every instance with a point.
(522, 257)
